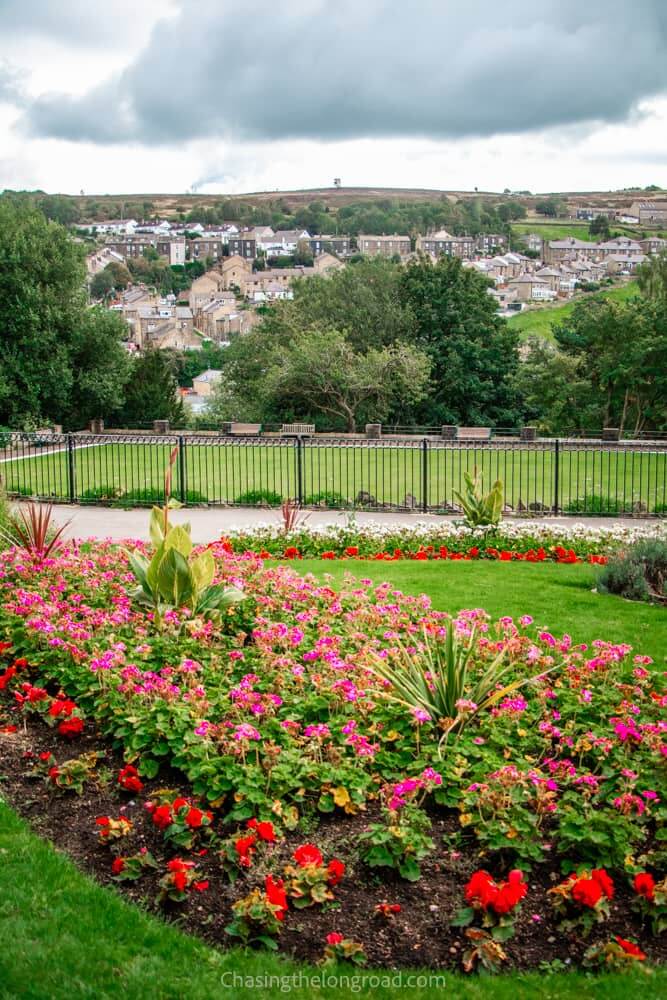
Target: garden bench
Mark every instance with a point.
(299, 429)
(474, 434)
(237, 428)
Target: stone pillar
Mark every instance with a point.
(449, 432)
(161, 426)
(528, 433)
(96, 426)
(611, 434)
(374, 431)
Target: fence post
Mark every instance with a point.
(425, 475)
(299, 468)
(556, 474)
(71, 469)
(181, 469)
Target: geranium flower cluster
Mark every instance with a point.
(484, 893)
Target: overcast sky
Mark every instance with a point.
(169, 95)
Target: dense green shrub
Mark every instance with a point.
(639, 573)
(263, 498)
(597, 503)
(326, 498)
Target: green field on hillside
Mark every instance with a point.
(539, 320)
(397, 475)
(561, 229)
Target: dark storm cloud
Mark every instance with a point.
(364, 68)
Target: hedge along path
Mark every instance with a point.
(342, 475)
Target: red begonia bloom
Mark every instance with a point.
(335, 938)
(118, 865)
(162, 817)
(275, 893)
(308, 854)
(71, 727)
(587, 892)
(630, 948)
(335, 871)
(644, 885)
(600, 876)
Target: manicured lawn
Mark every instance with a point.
(539, 322)
(560, 598)
(223, 473)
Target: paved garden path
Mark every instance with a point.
(210, 522)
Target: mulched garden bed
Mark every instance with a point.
(419, 935)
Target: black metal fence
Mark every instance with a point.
(544, 476)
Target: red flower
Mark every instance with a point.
(179, 865)
(291, 553)
(630, 948)
(335, 871)
(61, 706)
(388, 909)
(179, 803)
(201, 886)
(587, 892)
(307, 854)
(263, 830)
(481, 889)
(600, 876)
(352, 550)
(335, 938)
(180, 880)
(118, 865)
(510, 893)
(21, 662)
(53, 773)
(244, 848)
(71, 727)
(162, 817)
(328, 555)
(128, 778)
(275, 893)
(644, 885)
(6, 677)
(9, 729)
(194, 818)
(4, 646)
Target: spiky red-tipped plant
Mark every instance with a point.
(33, 529)
(292, 515)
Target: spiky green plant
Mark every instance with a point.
(479, 509)
(444, 673)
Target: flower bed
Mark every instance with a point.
(524, 540)
(306, 775)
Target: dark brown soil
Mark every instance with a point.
(418, 935)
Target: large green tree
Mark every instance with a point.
(473, 352)
(58, 359)
(322, 373)
(151, 392)
(621, 353)
(364, 300)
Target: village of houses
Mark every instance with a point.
(226, 300)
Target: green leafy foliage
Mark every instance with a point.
(480, 509)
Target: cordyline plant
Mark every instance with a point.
(443, 682)
(31, 529)
(292, 515)
(171, 578)
(480, 510)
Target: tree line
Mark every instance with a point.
(416, 344)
